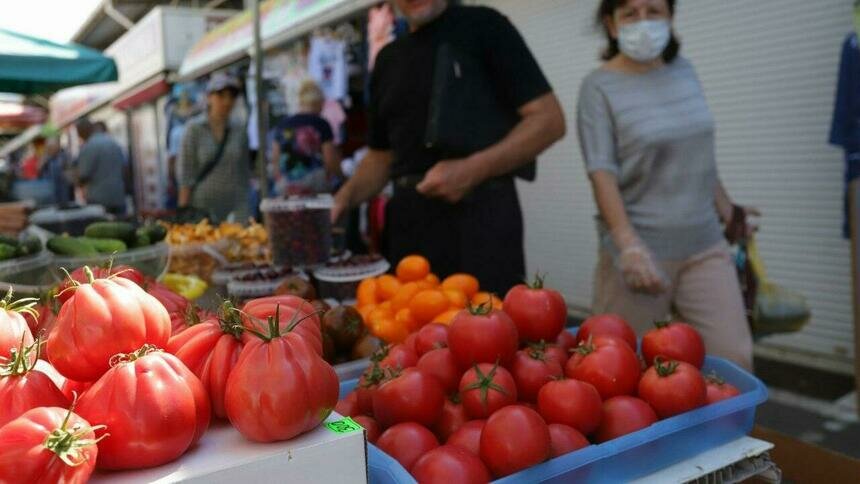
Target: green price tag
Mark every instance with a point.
(344, 426)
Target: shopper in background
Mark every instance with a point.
(54, 166)
(304, 157)
(463, 214)
(647, 137)
(100, 168)
(214, 167)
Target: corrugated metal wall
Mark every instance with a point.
(769, 70)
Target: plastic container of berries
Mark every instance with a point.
(300, 231)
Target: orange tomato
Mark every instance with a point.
(365, 312)
(457, 299)
(485, 297)
(404, 295)
(387, 286)
(413, 268)
(366, 292)
(447, 317)
(404, 318)
(466, 283)
(390, 331)
(428, 304)
(432, 279)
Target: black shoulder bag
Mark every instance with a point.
(210, 165)
(465, 114)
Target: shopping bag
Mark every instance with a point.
(771, 308)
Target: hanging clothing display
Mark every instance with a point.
(845, 128)
(327, 64)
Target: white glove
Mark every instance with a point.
(637, 264)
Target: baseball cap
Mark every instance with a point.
(220, 81)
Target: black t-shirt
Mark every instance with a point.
(402, 80)
(301, 137)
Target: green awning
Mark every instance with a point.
(35, 66)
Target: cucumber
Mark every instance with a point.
(71, 246)
(155, 232)
(5, 239)
(142, 240)
(111, 230)
(29, 246)
(7, 251)
(105, 246)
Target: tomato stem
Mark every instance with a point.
(483, 308)
(134, 355)
(664, 368)
(537, 351)
(22, 306)
(19, 358)
(68, 443)
(662, 323)
(91, 278)
(585, 348)
(485, 383)
(538, 281)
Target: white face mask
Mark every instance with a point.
(645, 40)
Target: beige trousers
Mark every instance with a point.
(704, 292)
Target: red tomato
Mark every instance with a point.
(406, 442)
(192, 316)
(368, 383)
(287, 311)
(22, 387)
(409, 342)
(413, 396)
(606, 325)
(565, 439)
(348, 405)
(674, 341)
(453, 417)
(172, 302)
(623, 415)
(672, 387)
(79, 276)
(482, 335)
(280, 387)
(14, 330)
(571, 402)
(486, 388)
(47, 445)
(442, 365)
(608, 364)
(210, 349)
(41, 319)
(371, 427)
(539, 313)
(717, 389)
(430, 337)
(532, 369)
(398, 356)
(566, 340)
(557, 353)
(450, 464)
(71, 388)
(154, 407)
(104, 318)
(514, 438)
(468, 436)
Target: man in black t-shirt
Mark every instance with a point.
(463, 214)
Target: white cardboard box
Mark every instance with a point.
(224, 456)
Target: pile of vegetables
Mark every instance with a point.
(499, 390)
(107, 238)
(143, 372)
(14, 247)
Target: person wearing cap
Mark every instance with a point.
(214, 166)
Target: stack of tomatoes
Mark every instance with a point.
(138, 390)
(488, 396)
(395, 305)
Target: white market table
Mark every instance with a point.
(735, 461)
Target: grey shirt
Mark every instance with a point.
(227, 186)
(655, 133)
(100, 168)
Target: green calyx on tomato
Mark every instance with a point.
(20, 362)
(485, 382)
(482, 309)
(274, 325)
(538, 281)
(380, 353)
(712, 377)
(585, 348)
(537, 351)
(229, 318)
(21, 306)
(662, 323)
(68, 442)
(664, 368)
(134, 355)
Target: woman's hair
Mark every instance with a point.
(310, 95)
(607, 9)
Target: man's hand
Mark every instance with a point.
(341, 204)
(450, 180)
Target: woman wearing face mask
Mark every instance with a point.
(647, 137)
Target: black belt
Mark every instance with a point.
(410, 182)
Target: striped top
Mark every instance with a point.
(655, 133)
(226, 189)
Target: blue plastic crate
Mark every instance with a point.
(665, 443)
